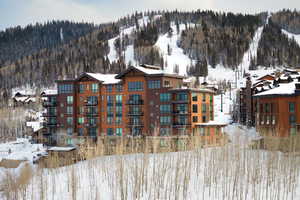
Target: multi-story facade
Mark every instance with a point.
(247, 104)
(140, 101)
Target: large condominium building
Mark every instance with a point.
(140, 101)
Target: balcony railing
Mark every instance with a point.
(49, 124)
(88, 103)
(49, 114)
(90, 125)
(180, 101)
(135, 124)
(135, 113)
(91, 113)
(49, 104)
(181, 112)
(135, 102)
(181, 124)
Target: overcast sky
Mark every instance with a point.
(23, 12)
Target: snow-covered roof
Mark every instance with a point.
(148, 70)
(61, 148)
(36, 126)
(32, 99)
(21, 99)
(50, 92)
(282, 89)
(105, 78)
(212, 123)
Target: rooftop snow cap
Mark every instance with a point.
(150, 66)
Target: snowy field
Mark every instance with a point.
(224, 173)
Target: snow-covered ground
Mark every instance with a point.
(291, 36)
(225, 173)
(21, 149)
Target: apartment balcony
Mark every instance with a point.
(91, 114)
(134, 124)
(178, 124)
(119, 104)
(110, 103)
(181, 112)
(90, 125)
(49, 104)
(180, 101)
(49, 124)
(87, 103)
(135, 102)
(49, 114)
(135, 113)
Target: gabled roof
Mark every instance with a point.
(267, 75)
(148, 71)
(103, 78)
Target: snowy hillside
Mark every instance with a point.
(177, 56)
(292, 36)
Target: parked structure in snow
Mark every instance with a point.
(140, 101)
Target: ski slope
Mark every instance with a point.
(292, 36)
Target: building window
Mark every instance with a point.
(109, 88)
(135, 86)
(80, 131)
(70, 120)
(81, 88)
(65, 88)
(119, 111)
(292, 119)
(204, 97)
(110, 100)
(166, 83)
(202, 131)
(119, 100)
(92, 100)
(119, 88)
(70, 110)
(164, 97)
(267, 108)
(165, 108)
(119, 131)
(274, 120)
(70, 131)
(195, 108)
(69, 99)
(293, 131)
(92, 110)
(110, 131)
(110, 120)
(154, 84)
(211, 97)
(81, 110)
(203, 119)
(291, 107)
(118, 120)
(80, 120)
(203, 108)
(92, 132)
(194, 97)
(268, 119)
(181, 97)
(165, 120)
(195, 119)
(164, 131)
(95, 87)
(182, 120)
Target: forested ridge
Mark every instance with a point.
(38, 54)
